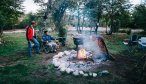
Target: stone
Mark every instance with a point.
(104, 72)
(76, 73)
(56, 56)
(94, 75)
(68, 70)
(62, 66)
(63, 69)
(66, 52)
(85, 75)
(60, 54)
(90, 74)
(81, 72)
(56, 64)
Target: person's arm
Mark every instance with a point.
(52, 38)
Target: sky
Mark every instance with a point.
(30, 6)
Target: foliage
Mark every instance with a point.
(117, 11)
(63, 32)
(56, 8)
(10, 10)
(139, 16)
(94, 8)
(27, 20)
(113, 12)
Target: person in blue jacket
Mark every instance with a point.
(48, 40)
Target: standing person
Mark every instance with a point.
(31, 38)
(96, 28)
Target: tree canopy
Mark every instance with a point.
(10, 10)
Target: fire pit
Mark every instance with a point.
(82, 61)
(69, 62)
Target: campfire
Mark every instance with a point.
(82, 60)
(81, 55)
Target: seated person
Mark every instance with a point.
(47, 40)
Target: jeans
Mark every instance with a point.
(37, 46)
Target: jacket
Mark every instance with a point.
(30, 33)
(46, 38)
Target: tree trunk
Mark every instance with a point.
(1, 31)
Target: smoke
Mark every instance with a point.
(91, 43)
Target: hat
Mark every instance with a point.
(33, 22)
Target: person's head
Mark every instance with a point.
(33, 23)
(46, 32)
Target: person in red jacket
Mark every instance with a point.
(31, 38)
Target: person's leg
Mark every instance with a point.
(54, 45)
(50, 47)
(37, 45)
(29, 49)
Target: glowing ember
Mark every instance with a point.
(82, 54)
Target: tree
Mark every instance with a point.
(10, 10)
(115, 12)
(57, 8)
(95, 10)
(139, 16)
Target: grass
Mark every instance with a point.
(13, 43)
(18, 68)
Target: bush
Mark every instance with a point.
(63, 32)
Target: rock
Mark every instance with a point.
(66, 52)
(60, 54)
(68, 70)
(85, 75)
(81, 72)
(72, 70)
(94, 75)
(76, 73)
(104, 72)
(90, 74)
(55, 59)
(56, 56)
(56, 64)
(63, 69)
(62, 66)
(73, 51)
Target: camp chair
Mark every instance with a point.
(131, 43)
(142, 43)
(46, 48)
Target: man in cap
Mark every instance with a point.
(31, 38)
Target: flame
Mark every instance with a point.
(82, 54)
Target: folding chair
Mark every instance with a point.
(44, 47)
(142, 43)
(131, 43)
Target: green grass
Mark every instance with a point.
(14, 43)
(115, 44)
